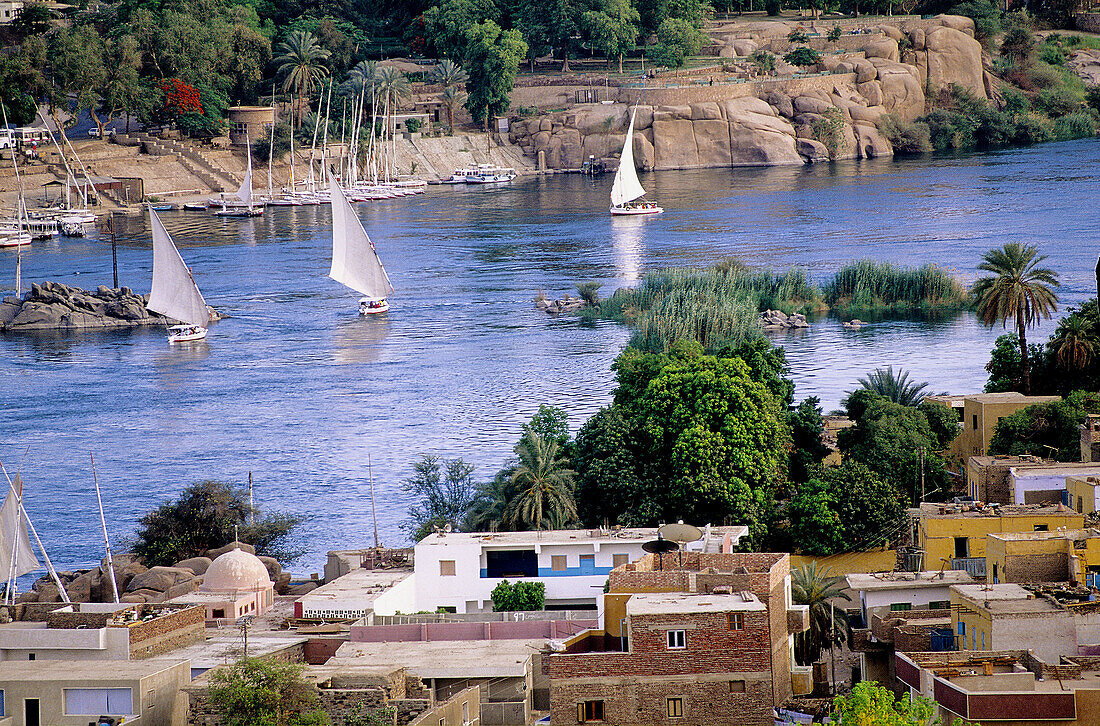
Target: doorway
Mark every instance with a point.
(31, 716)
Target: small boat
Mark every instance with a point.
(489, 174)
(174, 293)
(162, 207)
(626, 189)
(14, 237)
(74, 229)
(355, 261)
(195, 206)
(247, 208)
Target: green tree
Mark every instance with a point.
(443, 491)
(829, 129)
(301, 63)
(1074, 343)
(548, 26)
(609, 477)
(870, 703)
(613, 28)
(209, 515)
(542, 487)
(492, 60)
(797, 35)
(511, 597)
(451, 76)
(677, 39)
(763, 61)
(262, 692)
(894, 387)
(803, 55)
(1018, 45)
(1019, 290)
(120, 89)
(447, 25)
(808, 447)
(1046, 429)
(834, 34)
(77, 70)
(17, 79)
(550, 424)
(828, 623)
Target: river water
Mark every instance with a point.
(298, 389)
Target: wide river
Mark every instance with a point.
(298, 389)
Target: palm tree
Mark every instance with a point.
(450, 75)
(392, 86)
(1019, 289)
(894, 387)
(301, 63)
(543, 488)
(1074, 343)
(828, 623)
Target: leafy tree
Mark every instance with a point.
(443, 492)
(606, 457)
(677, 39)
(942, 420)
(450, 75)
(807, 445)
(986, 15)
(1074, 343)
(542, 487)
(121, 89)
(870, 703)
(834, 34)
(1019, 289)
(492, 60)
(797, 36)
(510, 597)
(1046, 429)
(550, 424)
(262, 692)
(17, 79)
(301, 63)
(447, 25)
(76, 65)
(487, 510)
(547, 26)
(894, 387)
(803, 55)
(828, 623)
(263, 146)
(613, 28)
(763, 61)
(33, 19)
(845, 508)
(208, 515)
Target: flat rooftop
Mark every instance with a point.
(1006, 599)
(445, 659)
(1009, 397)
(224, 646)
(365, 585)
(931, 510)
(570, 536)
(907, 580)
(70, 670)
(1059, 469)
(673, 603)
(1074, 534)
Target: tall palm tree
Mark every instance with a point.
(392, 87)
(1074, 343)
(828, 623)
(543, 488)
(301, 63)
(450, 75)
(894, 387)
(1019, 290)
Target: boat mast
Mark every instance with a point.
(87, 179)
(373, 511)
(248, 172)
(324, 143)
(68, 170)
(271, 143)
(313, 146)
(10, 591)
(20, 214)
(45, 555)
(103, 523)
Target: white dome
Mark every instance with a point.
(235, 570)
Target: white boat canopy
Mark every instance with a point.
(174, 293)
(355, 262)
(627, 188)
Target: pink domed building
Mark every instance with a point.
(235, 585)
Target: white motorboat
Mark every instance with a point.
(74, 229)
(489, 174)
(14, 237)
(626, 189)
(355, 261)
(174, 293)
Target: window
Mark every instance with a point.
(30, 656)
(589, 711)
(996, 580)
(899, 606)
(218, 613)
(98, 701)
(617, 560)
(442, 722)
(975, 422)
(962, 630)
(557, 563)
(588, 563)
(1080, 504)
(446, 568)
(1042, 528)
(465, 712)
(940, 604)
(675, 707)
(2, 711)
(962, 547)
(737, 686)
(736, 621)
(983, 640)
(675, 639)
(511, 563)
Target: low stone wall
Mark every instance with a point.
(1089, 22)
(676, 95)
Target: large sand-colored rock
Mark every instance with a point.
(953, 57)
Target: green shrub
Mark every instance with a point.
(1057, 101)
(1015, 102)
(905, 137)
(797, 36)
(803, 56)
(1051, 54)
(772, 7)
(870, 285)
(412, 125)
(829, 130)
(1079, 125)
(763, 61)
(1032, 129)
(834, 34)
(1043, 75)
(515, 597)
(1092, 98)
(986, 16)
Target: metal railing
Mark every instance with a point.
(974, 566)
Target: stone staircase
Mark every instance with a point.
(195, 161)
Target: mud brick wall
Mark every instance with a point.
(167, 632)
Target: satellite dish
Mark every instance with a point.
(680, 533)
(660, 546)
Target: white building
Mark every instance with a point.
(900, 591)
(458, 571)
(355, 594)
(10, 10)
(1044, 484)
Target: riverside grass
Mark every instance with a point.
(719, 306)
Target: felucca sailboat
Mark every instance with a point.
(174, 293)
(627, 189)
(355, 262)
(246, 208)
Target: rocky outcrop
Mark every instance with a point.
(948, 56)
(778, 320)
(1086, 64)
(56, 306)
(567, 304)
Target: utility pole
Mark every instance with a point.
(251, 503)
(922, 475)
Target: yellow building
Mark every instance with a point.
(953, 536)
(1053, 556)
(1084, 493)
(979, 414)
(1009, 617)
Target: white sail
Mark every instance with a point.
(627, 188)
(174, 293)
(245, 192)
(13, 533)
(355, 263)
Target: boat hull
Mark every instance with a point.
(13, 239)
(372, 307)
(635, 211)
(257, 212)
(186, 333)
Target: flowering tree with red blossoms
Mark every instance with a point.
(180, 98)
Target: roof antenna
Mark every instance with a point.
(236, 538)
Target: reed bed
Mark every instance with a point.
(719, 306)
(880, 287)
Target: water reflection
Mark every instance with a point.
(626, 239)
(359, 340)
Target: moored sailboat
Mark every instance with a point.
(246, 208)
(626, 189)
(355, 262)
(174, 293)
